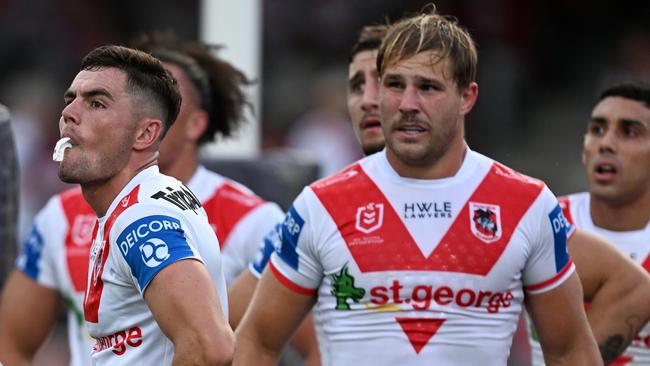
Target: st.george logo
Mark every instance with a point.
(485, 221)
(370, 217)
(154, 251)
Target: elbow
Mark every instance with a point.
(214, 348)
(222, 348)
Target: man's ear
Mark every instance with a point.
(196, 125)
(468, 98)
(147, 133)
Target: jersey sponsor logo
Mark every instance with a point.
(160, 241)
(560, 229)
(370, 217)
(423, 296)
(291, 229)
(485, 221)
(427, 210)
(82, 229)
(119, 341)
(272, 242)
(343, 288)
(31, 253)
(144, 228)
(154, 252)
(182, 198)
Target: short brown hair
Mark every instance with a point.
(431, 31)
(146, 77)
(369, 39)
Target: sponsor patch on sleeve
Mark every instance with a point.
(272, 241)
(561, 228)
(31, 253)
(291, 229)
(152, 243)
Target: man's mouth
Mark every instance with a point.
(59, 150)
(605, 171)
(371, 122)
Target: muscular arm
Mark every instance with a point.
(617, 289)
(28, 312)
(274, 315)
(562, 325)
(240, 293)
(184, 302)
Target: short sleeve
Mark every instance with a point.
(36, 257)
(150, 239)
(295, 261)
(546, 229)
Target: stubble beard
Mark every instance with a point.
(88, 171)
(423, 154)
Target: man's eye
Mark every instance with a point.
(629, 132)
(394, 85)
(428, 87)
(358, 87)
(97, 104)
(596, 130)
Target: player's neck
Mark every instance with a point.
(629, 217)
(101, 194)
(445, 167)
(183, 167)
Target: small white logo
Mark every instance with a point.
(154, 252)
(370, 217)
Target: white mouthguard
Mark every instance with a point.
(60, 147)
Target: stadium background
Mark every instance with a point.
(540, 67)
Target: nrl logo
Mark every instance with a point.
(485, 221)
(370, 217)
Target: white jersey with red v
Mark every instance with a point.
(636, 244)
(410, 271)
(153, 222)
(55, 253)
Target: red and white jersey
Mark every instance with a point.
(55, 254)
(636, 244)
(153, 222)
(409, 272)
(240, 218)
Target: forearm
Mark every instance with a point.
(251, 351)
(616, 323)
(580, 352)
(304, 341)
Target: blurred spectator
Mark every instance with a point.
(325, 130)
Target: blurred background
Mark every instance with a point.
(541, 65)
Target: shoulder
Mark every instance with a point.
(344, 179)
(514, 179)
